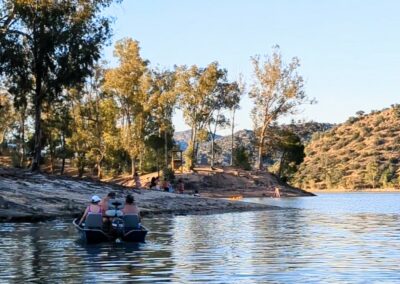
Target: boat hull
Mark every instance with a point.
(93, 236)
(135, 236)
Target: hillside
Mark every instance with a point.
(246, 138)
(360, 153)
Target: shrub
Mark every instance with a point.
(168, 174)
(241, 158)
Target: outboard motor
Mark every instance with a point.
(117, 223)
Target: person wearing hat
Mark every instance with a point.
(94, 207)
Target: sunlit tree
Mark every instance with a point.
(129, 84)
(199, 92)
(277, 91)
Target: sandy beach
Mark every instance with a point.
(36, 197)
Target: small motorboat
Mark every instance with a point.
(126, 228)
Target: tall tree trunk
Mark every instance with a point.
(194, 153)
(38, 129)
(81, 165)
(52, 162)
(22, 135)
(99, 170)
(133, 166)
(38, 96)
(63, 155)
(232, 135)
(213, 133)
(158, 164)
(141, 155)
(99, 166)
(212, 151)
(62, 165)
(260, 152)
(166, 149)
(261, 146)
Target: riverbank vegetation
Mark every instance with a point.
(360, 153)
(62, 106)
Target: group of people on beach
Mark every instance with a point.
(100, 206)
(157, 184)
(165, 185)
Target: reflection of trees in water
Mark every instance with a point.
(211, 246)
(249, 243)
(16, 254)
(37, 252)
(279, 239)
(53, 255)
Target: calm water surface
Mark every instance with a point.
(332, 238)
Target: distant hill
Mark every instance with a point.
(182, 138)
(363, 152)
(245, 138)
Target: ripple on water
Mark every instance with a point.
(303, 245)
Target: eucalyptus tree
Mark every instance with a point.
(129, 84)
(162, 103)
(227, 97)
(55, 43)
(6, 115)
(199, 91)
(277, 91)
(102, 118)
(233, 108)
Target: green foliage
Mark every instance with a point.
(277, 91)
(6, 115)
(188, 156)
(289, 152)
(241, 158)
(203, 93)
(15, 159)
(168, 174)
(48, 46)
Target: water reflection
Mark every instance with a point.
(307, 244)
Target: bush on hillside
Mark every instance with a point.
(241, 158)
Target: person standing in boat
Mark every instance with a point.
(93, 208)
(106, 200)
(130, 207)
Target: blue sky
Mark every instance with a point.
(349, 50)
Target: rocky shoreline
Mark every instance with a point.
(28, 197)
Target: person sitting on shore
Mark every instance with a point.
(153, 183)
(157, 181)
(93, 208)
(106, 200)
(138, 184)
(130, 207)
(180, 186)
(166, 185)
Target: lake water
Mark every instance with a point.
(332, 238)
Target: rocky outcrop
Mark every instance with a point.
(34, 197)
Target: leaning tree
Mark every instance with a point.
(277, 91)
